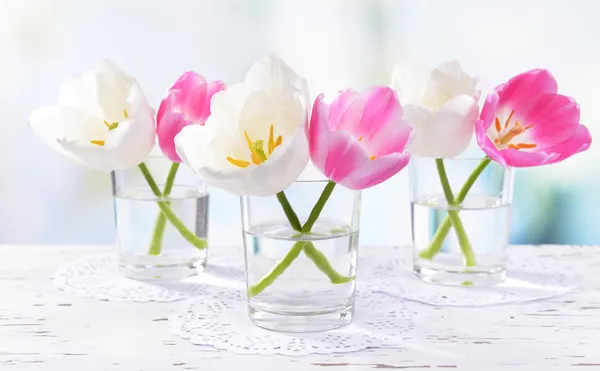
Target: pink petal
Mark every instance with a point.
(522, 91)
(171, 125)
(344, 155)
(346, 111)
(381, 106)
(516, 158)
(555, 117)
(395, 136)
(376, 171)
(488, 113)
(578, 142)
(317, 132)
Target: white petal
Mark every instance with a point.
(446, 82)
(276, 174)
(271, 73)
(445, 133)
(281, 169)
(409, 79)
(125, 147)
(80, 92)
(56, 123)
(228, 104)
(265, 108)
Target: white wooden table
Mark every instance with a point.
(42, 328)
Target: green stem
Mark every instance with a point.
(440, 235)
(461, 233)
(309, 248)
(324, 266)
(316, 211)
(200, 243)
(278, 270)
(161, 219)
(289, 211)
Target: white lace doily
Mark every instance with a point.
(99, 277)
(529, 278)
(224, 324)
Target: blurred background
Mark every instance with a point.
(45, 198)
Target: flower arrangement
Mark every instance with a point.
(103, 121)
(256, 138)
(523, 123)
(259, 138)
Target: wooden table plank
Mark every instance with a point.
(42, 328)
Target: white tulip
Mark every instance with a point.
(442, 106)
(254, 142)
(102, 120)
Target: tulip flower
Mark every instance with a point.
(102, 120)
(441, 105)
(360, 140)
(187, 102)
(525, 122)
(253, 143)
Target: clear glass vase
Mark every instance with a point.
(462, 242)
(301, 282)
(160, 237)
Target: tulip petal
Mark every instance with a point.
(578, 142)
(446, 132)
(554, 118)
(345, 112)
(522, 91)
(126, 146)
(446, 82)
(381, 106)
(170, 125)
(376, 171)
(54, 123)
(344, 155)
(488, 113)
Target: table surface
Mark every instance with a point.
(42, 328)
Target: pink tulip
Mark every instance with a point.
(524, 122)
(359, 140)
(186, 103)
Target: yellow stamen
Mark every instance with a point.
(125, 114)
(373, 157)
(107, 124)
(249, 142)
(526, 145)
(239, 163)
(98, 142)
(271, 140)
(508, 119)
(360, 138)
(513, 146)
(498, 127)
(258, 155)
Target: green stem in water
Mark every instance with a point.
(277, 270)
(440, 235)
(461, 233)
(161, 219)
(200, 243)
(309, 248)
